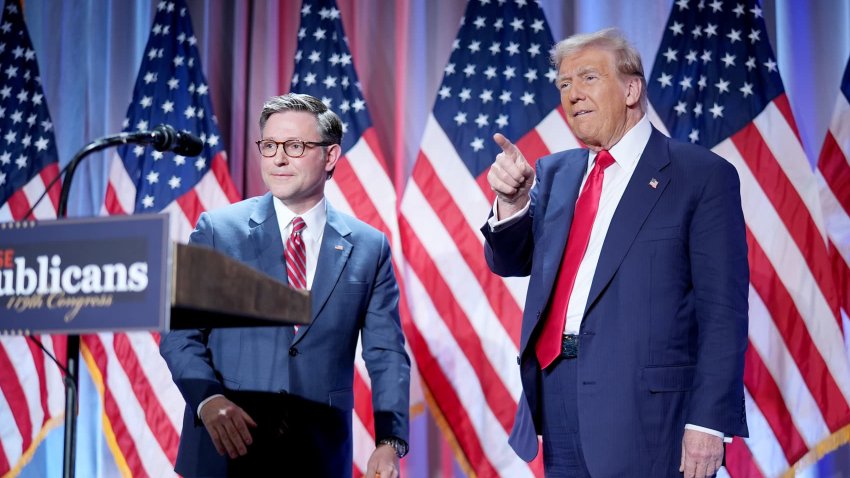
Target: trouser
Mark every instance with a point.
(562, 454)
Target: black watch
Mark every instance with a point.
(399, 445)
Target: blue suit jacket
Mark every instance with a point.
(354, 293)
(663, 336)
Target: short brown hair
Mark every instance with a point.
(330, 126)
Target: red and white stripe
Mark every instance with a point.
(797, 376)
(32, 397)
(833, 176)
(22, 200)
(466, 321)
(142, 406)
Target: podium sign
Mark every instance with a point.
(77, 276)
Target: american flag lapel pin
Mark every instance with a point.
(338, 247)
(653, 183)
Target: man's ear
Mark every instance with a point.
(634, 88)
(334, 153)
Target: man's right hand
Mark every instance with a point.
(510, 178)
(228, 425)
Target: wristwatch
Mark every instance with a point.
(399, 445)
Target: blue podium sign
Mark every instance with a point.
(77, 276)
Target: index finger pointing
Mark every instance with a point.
(506, 145)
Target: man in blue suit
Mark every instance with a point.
(635, 323)
(273, 401)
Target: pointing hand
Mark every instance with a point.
(510, 177)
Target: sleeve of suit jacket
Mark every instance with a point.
(509, 250)
(384, 354)
(719, 270)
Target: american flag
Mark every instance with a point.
(31, 392)
(142, 406)
(715, 82)
(833, 173)
(361, 184)
(28, 161)
(466, 321)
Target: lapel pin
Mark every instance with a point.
(653, 183)
(338, 247)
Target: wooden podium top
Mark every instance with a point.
(213, 290)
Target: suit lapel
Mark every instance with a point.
(333, 255)
(265, 235)
(635, 205)
(564, 190)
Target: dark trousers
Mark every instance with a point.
(562, 455)
(294, 437)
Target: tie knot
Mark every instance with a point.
(298, 225)
(604, 159)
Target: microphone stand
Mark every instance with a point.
(70, 169)
(73, 353)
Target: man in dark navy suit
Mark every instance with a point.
(635, 322)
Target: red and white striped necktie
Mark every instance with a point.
(296, 257)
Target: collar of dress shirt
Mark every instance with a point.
(627, 151)
(315, 218)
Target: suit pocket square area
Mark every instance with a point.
(677, 378)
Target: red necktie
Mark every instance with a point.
(548, 345)
(296, 257)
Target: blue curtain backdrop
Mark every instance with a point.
(89, 52)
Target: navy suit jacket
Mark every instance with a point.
(354, 294)
(664, 332)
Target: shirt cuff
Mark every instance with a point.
(709, 431)
(198, 411)
(496, 224)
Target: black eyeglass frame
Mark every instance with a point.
(278, 144)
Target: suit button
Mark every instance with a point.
(293, 351)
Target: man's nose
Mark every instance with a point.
(575, 94)
(281, 159)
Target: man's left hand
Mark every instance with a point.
(702, 454)
(383, 463)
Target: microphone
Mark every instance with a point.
(165, 138)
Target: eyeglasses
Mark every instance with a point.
(294, 148)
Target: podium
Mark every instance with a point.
(123, 274)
